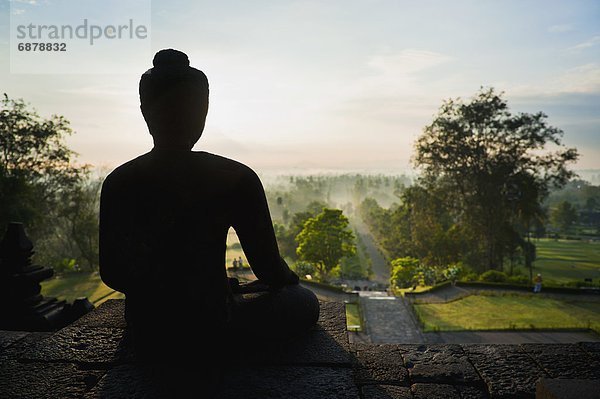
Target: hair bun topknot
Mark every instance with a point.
(170, 58)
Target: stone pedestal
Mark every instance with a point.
(22, 306)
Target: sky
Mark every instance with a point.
(299, 86)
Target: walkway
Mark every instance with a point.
(381, 270)
(388, 319)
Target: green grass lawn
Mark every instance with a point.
(562, 261)
(520, 311)
(76, 285)
(353, 321)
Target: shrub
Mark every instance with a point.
(471, 276)
(404, 272)
(493, 276)
(518, 279)
(303, 268)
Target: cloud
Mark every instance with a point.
(587, 44)
(407, 61)
(560, 28)
(581, 79)
(30, 2)
(17, 11)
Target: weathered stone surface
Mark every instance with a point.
(332, 317)
(39, 380)
(318, 347)
(7, 338)
(289, 382)
(564, 360)
(15, 351)
(385, 392)
(111, 314)
(469, 392)
(437, 391)
(439, 364)
(567, 389)
(82, 345)
(506, 369)
(129, 381)
(379, 364)
(591, 348)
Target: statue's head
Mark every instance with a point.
(174, 100)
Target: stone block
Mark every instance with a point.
(111, 314)
(289, 382)
(564, 360)
(332, 317)
(385, 392)
(437, 391)
(318, 347)
(7, 338)
(82, 345)
(507, 371)
(41, 381)
(567, 389)
(470, 392)
(440, 364)
(130, 381)
(381, 363)
(591, 348)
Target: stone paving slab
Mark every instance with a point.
(379, 364)
(128, 381)
(289, 382)
(82, 345)
(8, 338)
(564, 360)
(319, 347)
(507, 371)
(41, 380)
(591, 348)
(17, 348)
(440, 364)
(329, 317)
(111, 314)
(385, 392)
(438, 391)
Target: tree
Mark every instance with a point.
(37, 175)
(286, 237)
(325, 240)
(404, 272)
(564, 216)
(496, 168)
(35, 164)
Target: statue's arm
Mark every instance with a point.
(114, 269)
(253, 225)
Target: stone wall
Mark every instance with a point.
(92, 359)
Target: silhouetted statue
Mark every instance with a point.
(164, 220)
(22, 306)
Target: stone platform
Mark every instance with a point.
(91, 359)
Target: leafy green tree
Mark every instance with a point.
(325, 239)
(496, 168)
(564, 216)
(404, 272)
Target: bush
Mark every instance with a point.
(493, 276)
(405, 272)
(471, 276)
(303, 268)
(518, 279)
